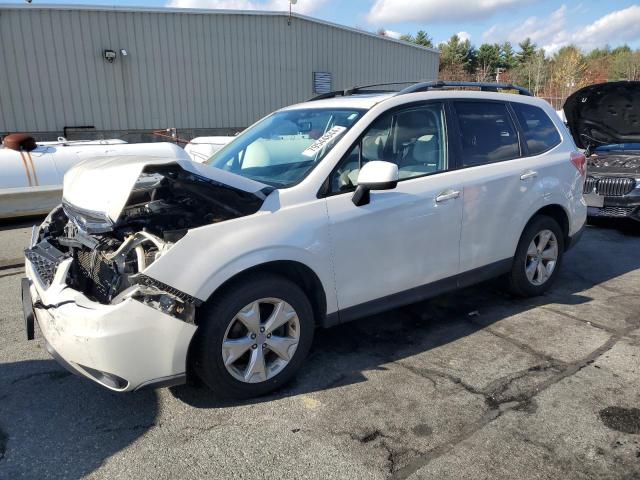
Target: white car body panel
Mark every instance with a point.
(296, 233)
(402, 240)
(400, 227)
(31, 182)
(495, 202)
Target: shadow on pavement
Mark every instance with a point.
(56, 425)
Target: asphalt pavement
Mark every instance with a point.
(473, 384)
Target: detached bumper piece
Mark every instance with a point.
(45, 260)
(27, 309)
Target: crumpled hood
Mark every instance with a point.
(604, 114)
(103, 185)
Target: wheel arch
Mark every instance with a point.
(559, 214)
(297, 272)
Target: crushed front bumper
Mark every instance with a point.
(123, 347)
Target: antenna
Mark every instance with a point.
(291, 3)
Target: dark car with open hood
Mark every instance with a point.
(604, 119)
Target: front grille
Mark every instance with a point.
(95, 277)
(609, 186)
(44, 268)
(589, 185)
(45, 259)
(612, 212)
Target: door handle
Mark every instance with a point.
(528, 174)
(448, 195)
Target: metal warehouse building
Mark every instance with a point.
(121, 70)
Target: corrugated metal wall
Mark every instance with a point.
(185, 70)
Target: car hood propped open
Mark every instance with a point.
(103, 185)
(604, 114)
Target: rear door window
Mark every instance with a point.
(540, 134)
(487, 133)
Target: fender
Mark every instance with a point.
(267, 255)
(208, 256)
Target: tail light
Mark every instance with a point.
(580, 162)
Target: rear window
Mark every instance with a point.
(540, 134)
(487, 134)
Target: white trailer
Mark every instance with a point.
(31, 178)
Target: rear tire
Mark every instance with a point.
(538, 258)
(233, 355)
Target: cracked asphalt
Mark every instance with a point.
(473, 384)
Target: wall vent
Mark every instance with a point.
(321, 82)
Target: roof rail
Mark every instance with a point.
(358, 89)
(423, 87)
(483, 86)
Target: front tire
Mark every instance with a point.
(538, 258)
(253, 337)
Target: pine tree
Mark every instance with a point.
(527, 50)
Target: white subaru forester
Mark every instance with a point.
(318, 214)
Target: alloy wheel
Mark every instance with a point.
(542, 257)
(261, 340)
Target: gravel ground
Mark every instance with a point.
(473, 384)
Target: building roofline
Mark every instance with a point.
(204, 11)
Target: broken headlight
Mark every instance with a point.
(170, 301)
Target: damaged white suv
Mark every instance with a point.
(321, 213)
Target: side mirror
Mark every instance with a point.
(375, 175)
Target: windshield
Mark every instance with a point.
(282, 148)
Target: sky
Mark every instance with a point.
(549, 23)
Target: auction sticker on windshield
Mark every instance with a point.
(316, 146)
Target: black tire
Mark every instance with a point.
(218, 313)
(517, 281)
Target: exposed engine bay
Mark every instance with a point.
(109, 257)
(614, 163)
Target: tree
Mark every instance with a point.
(381, 32)
(527, 50)
(422, 38)
(567, 72)
(488, 60)
(598, 53)
(621, 49)
(508, 58)
(625, 65)
(532, 72)
(457, 58)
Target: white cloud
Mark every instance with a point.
(304, 7)
(464, 35)
(552, 32)
(491, 34)
(392, 34)
(396, 11)
(619, 26)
